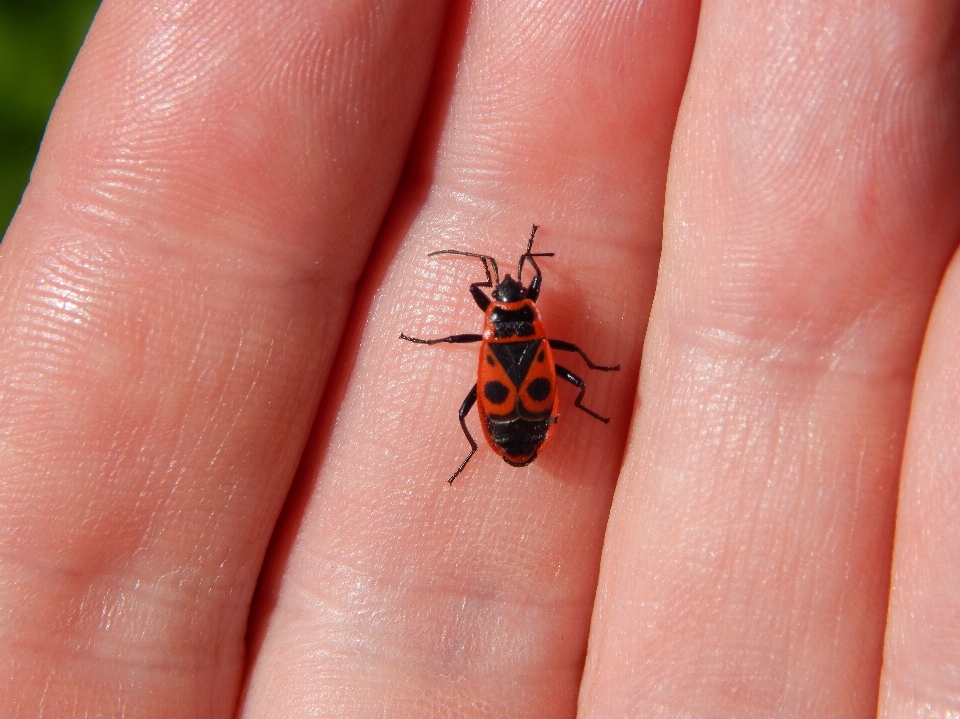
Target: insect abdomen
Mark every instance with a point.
(520, 438)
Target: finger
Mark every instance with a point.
(173, 289)
(920, 659)
(810, 211)
(399, 594)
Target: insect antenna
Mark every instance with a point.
(484, 258)
(530, 255)
(533, 233)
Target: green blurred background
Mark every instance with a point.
(38, 41)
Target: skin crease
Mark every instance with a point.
(920, 654)
(193, 278)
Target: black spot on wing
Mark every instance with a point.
(539, 389)
(496, 392)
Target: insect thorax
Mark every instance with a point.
(515, 319)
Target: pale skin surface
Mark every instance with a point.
(191, 283)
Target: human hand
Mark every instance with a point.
(191, 283)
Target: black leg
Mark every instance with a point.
(570, 347)
(452, 339)
(468, 402)
(564, 373)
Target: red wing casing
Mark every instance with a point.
(516, 389)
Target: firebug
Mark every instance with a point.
(516, 390)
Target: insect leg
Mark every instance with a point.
(564, 373)
(570, 347)
(468, 402)
(452, 339)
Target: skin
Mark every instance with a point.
(222, 474)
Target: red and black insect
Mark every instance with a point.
(517, 378)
